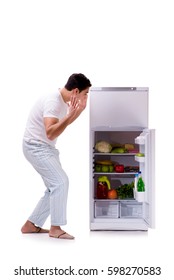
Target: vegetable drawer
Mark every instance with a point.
(105, 208)
(131, 210)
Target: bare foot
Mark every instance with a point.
(29, 227)
(57, 232)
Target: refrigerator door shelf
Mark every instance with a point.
(140, 140)
(140, 159)
(139, 196)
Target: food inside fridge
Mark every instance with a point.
(129, 147)
(126, 191)
(107, 190)
(139, 154)
(103, 147)
(131, 168)
(105, 162)
(119, 163)
(112, 194)
(115, 167)
(103, 186)
(119, 198)
(119, 168)
(118, 150)
(104, 166)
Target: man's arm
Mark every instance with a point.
(55, 127)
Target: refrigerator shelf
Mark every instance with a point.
(114, 154)
(117, 200)
(118, 174)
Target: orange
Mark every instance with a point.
(112, 194)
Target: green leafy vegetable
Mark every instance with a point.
(126, 191)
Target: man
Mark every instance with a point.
(48, 119)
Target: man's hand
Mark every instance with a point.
(77, 105)
(73, 104)
(83, 102)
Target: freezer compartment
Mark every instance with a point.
(106, 209)
(131, 210)
(119, 107)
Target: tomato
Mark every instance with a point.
(119, 168)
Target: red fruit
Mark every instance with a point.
(119, 168)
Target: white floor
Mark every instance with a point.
(98, 250)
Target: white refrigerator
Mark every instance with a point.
(119, 117)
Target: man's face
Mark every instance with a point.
(83, 94)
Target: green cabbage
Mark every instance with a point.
(103, 147)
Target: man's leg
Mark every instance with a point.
(45, 160)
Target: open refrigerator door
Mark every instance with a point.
(146, 142)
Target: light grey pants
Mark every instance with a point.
(45, 159)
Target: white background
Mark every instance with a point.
(114, 43)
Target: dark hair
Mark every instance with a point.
(77, 80)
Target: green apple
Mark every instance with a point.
(111, 168)
(105, 168)
(98, 168)
(118, 150)
(140, 155)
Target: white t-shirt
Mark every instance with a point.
(49, 106)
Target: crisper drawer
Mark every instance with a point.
(131, 209)
(106, 209)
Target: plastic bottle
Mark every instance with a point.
(136, 180)
(140, 184)
(135, 185)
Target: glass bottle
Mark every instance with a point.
(103, 186)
